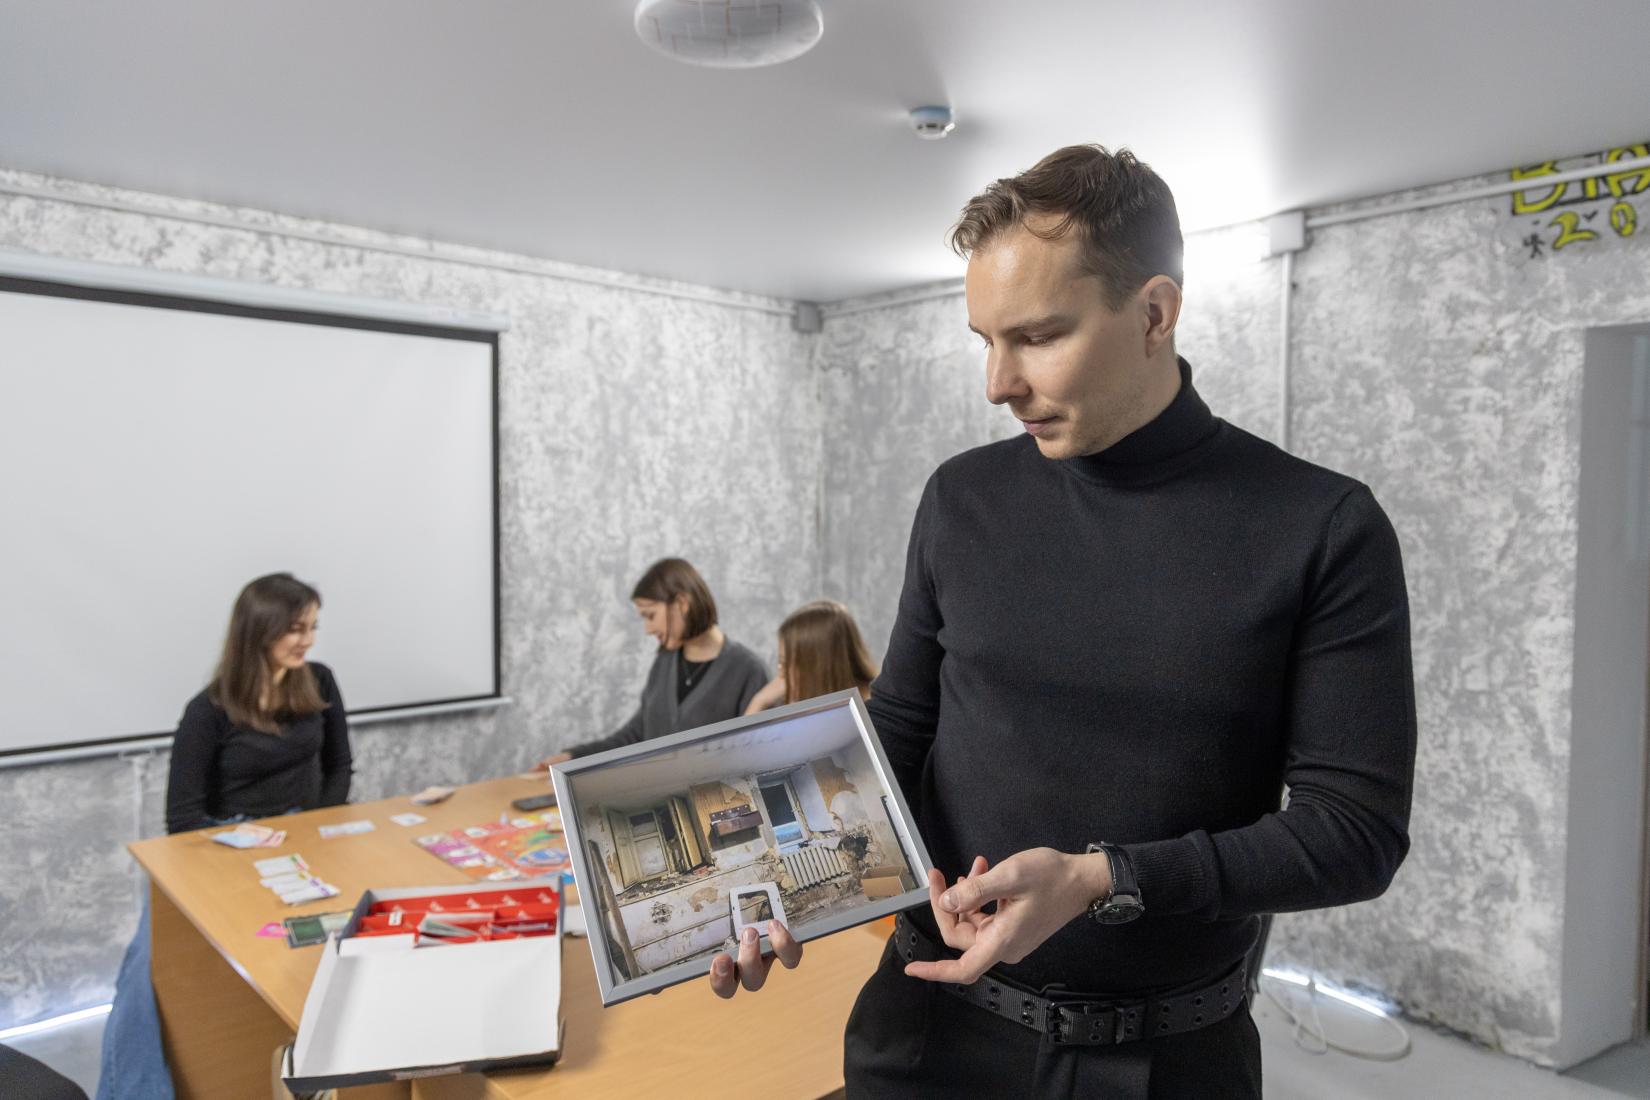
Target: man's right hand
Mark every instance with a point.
(751, 971)
(559, 758)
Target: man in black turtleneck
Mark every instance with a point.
(1131, 626)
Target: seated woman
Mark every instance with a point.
(267, 736)
(699, 676)
(820, 651)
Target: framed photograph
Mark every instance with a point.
(678, 843)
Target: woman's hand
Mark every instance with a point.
(771, 694)
(1037, 892)
(751, 970)
(559, 758)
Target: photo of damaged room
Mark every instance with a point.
(680, 843)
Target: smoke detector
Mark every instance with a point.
(932, 123)
(730, 34)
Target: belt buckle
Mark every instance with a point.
(1085, 1023)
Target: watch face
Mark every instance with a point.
(1117, 909)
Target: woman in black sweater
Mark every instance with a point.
(266, 737)
(268, 734)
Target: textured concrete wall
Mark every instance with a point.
(1441, 363)
(632, 426)
(1437, 360)
(1432, 357)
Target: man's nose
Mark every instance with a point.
(1003, 380)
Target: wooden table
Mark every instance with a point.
(228, 997)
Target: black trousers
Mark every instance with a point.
(906, 1038)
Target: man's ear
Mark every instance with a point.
(1160, 297)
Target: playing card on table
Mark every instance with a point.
(346, 828)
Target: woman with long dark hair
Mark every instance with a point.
(699, 675)
(268, 734)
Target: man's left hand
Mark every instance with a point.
(1037, 892)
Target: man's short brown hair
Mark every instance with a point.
(1124, 210)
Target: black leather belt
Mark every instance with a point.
(1078, 1019)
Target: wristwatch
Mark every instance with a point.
(1123, 904)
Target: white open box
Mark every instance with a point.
(394, 1013)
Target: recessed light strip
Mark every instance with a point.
(56, 1021)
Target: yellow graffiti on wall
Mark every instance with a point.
(1522, 203)
(1569, 210)
(1569, 231)
(1618, 184)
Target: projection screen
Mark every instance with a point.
(161, 451)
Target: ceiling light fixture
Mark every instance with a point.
(730, 34)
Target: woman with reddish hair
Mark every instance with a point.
(820, 651)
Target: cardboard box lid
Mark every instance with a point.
(387, 1015)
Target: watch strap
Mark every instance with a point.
(1123, 903)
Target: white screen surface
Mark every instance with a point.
(156, 459)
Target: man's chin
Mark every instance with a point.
(1057, 448)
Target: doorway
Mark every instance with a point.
(1604, 986)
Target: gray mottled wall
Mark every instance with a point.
(633, 425)
(1436, 362)
(1430, 358)
(1440, 364)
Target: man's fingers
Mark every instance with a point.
(964, 971)
(753, 968)
(723, 981)
(947, 922)
(936, 887)
(972, 893)
(785, 946)
(755, 976)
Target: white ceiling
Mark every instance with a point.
(546, 127)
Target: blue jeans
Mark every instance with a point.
(134, 1061)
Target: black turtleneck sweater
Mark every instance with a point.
(1143, 646)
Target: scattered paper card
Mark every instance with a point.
(408, 819)
(346, 828)
(314, 891)
(282, 865)
(247, 835)
(282, 883)
(506, 850)
(291, 880)
(314, 928)
(429, 796)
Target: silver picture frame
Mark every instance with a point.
(661, 832)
